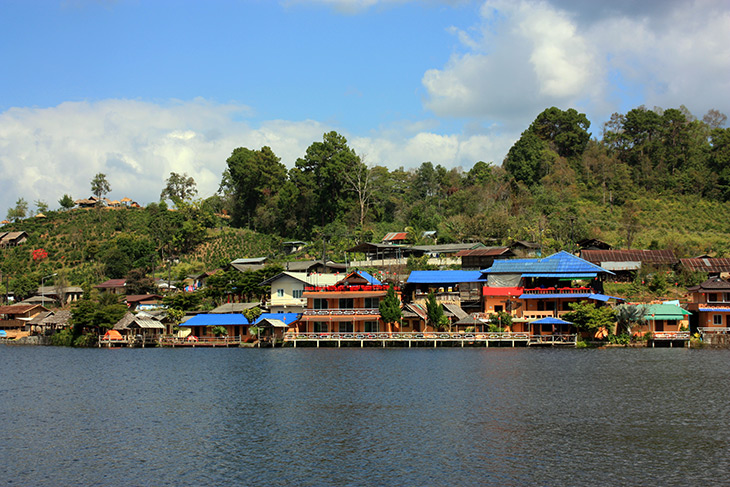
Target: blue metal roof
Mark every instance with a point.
(559, 263)
(211, 319)
(444, 277)
(287, 318)
(369, 278)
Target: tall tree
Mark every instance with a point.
(251, 177)
(389, 308)
(321, 177)
(178, 188)
(66, 202)
(359, 180)
(19, 211)
(565, 130)
(435, 312)
(100, 186)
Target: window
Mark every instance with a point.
(717, 320)
(712, 298)
(346, 327)
(346, 303)
(498, 308)
(319, 303)
(320, 327)
(371, 327)
(372, 303)
(297, 293)
(279, 293)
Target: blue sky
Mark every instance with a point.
(137, 89)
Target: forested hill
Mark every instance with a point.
(652, 179)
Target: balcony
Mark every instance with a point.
(559, 290)
(342, 312)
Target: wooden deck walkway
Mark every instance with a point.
(409, 339)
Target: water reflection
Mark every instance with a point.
(364, 417)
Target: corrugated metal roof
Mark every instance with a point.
(559, 263)
(566, 275)
(207, 319)
(485, 252)
(665, 312)
(395, 236)
(706, 265)
(444, 277)
(286, 318)
(648, 256)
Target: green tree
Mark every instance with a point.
(565, 130)
(178, 188)
(389, 307)
(19, 211)
(251, 177)
(319, 176)
(587, 317)
(41, 206)
(499, 321)
(529, 159)
(66, 202)
(138, 282)
(183, 301)
(252, 314)
(435, 312)
(100, 186)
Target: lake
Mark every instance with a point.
(497, 416)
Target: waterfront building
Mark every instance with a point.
(710, 304)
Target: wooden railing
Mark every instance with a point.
(471, 336)
(714, 329)
(670, 335)
(341, 311)
(205, 341)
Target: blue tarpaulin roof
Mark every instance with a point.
(369, 278)
(206, 319)
(444, 277)
(569, 275)
(559, 263)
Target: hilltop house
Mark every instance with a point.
(624, 264)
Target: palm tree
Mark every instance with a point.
(629, 314)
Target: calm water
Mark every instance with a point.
(364, 417)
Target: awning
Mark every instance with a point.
(716, 310)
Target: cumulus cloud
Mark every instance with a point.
(524, 56)
(48, 152)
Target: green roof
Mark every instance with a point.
(665, 312)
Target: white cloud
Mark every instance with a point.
(48, 152)
(529, 55)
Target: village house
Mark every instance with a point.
(533, 289)
(12, 239)
(351, 305)
(60, 294)
(143, 302)
(287, 289)
(455, 289)
(712, 266)
(666, 322)
(709, 303)
(112, 286)
(15, 318)
(483, 258)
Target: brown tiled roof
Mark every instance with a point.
(644, 256)
(136, 298)
(711, 284)
(706, 265)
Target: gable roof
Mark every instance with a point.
(389, 237)
(354, 276)
(485, 252)
(311, 279)
(713, 284)
(286, 318)
(112, 283)
(561, 264)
